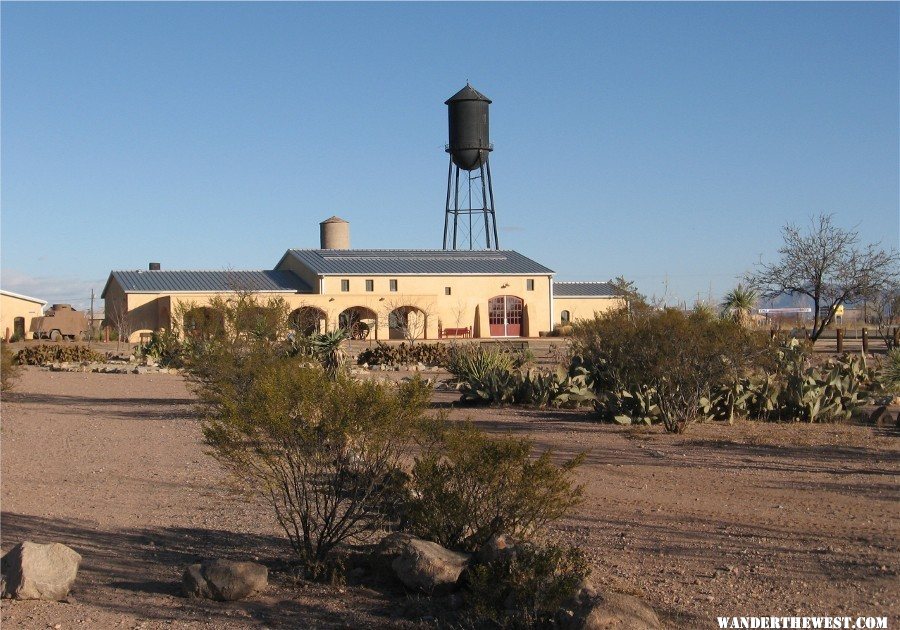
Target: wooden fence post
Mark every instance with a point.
(839, 335)
(865, 340)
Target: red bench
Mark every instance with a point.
(456, 332)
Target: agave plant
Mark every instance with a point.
(739, 303)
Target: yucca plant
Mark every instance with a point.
(327, 347)
(890, 371)
(739, 303)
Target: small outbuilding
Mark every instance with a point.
(16, 313)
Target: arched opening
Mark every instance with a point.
(307, 320)
(203, 322)
(505, 316)
(564, 317)
(407, 322)
(358, 321)
(258, 321)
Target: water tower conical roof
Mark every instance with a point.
(468, 93)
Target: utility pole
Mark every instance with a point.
(91, 324)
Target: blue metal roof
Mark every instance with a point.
(436, 262)
(203, 281)
(584, 289)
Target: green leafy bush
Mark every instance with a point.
(405, 354)
(647, 364)
(44, 354)
(9, 370)
(468, 487)
(324, 453)
(526, 588)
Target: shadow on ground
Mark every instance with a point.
(139, 573)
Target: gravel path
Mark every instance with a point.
(752, 519)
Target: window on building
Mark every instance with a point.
(345, 285)
(370, 285)
(529, 284)
(393, 285)
(447, 291)
(564, 317)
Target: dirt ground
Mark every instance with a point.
(753, 519)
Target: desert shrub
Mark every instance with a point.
(647, 364)
(52, 353)
(474, 361)
(468, 487)
(166, 347)
(9, 370)
(405, 354)
(324, 453)
(526, 588)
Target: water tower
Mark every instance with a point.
(470, 218)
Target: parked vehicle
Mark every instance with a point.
(60, 322)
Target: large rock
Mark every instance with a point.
(598, 610)
(424, 566)
(35, 571)
(224, 580)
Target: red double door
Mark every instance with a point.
(505, 316)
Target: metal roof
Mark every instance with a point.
(584, 289)
(434, 262)
(23, 297)
(468, 93)
(204, 281)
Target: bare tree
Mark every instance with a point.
(121, 322)
(826, 264)
(410, 320)
(884, 307)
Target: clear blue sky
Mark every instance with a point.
(654, 141)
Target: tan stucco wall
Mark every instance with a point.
(583, 308)
(12, 307)
(466, 306)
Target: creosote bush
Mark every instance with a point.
(647, 364)
(468, 487)
(525, 589)
(324, 452)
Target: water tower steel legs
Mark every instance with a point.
(486, 208)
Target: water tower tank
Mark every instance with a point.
(470, 140)
(334, 233)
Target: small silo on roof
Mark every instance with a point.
(334, 233)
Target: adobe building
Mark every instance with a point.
(377, 294)
(470, 288)
(16, 313)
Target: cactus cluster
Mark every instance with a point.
(519, 386)
(795, 390)
(44, 354)
(405, 354)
